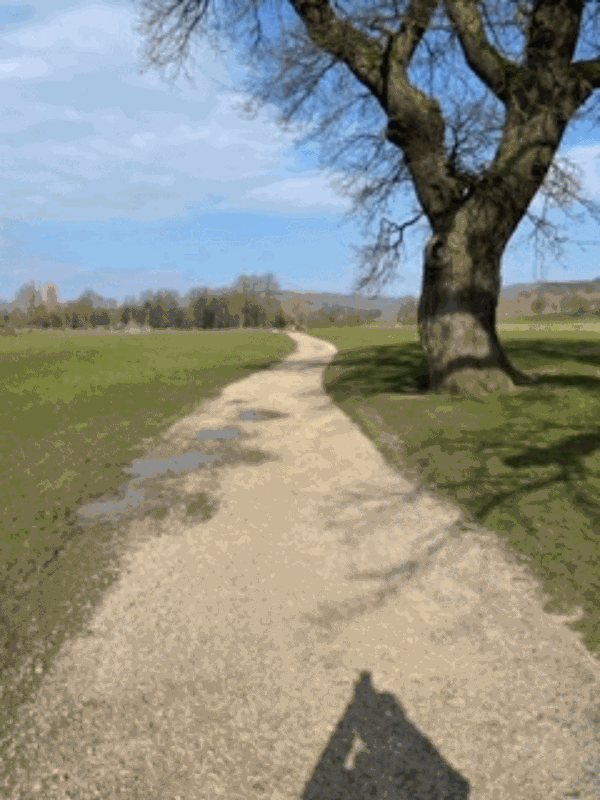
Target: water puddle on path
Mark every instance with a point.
(220, 433)
(145, 467)
(153, 485)
(142, 493)
(259, 415)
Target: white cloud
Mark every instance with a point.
(162, 180)
(143, 140)
(195, 139)
(92, 140)
(60, 187)
(94, 28)
(109, 149)
(72, 152)
(306, 192)
(24, 68)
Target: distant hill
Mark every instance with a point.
(524, 299)
(388, 305)
(517, 301)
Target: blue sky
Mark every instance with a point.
(122, 182)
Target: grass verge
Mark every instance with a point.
(525, 466)
(75, 410)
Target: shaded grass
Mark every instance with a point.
(74, 413)
(525, 465)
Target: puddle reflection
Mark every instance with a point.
(111, 509)
(146, 467)
(260, 415)
(220, 433)
(137, 493)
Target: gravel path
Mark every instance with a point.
(329, 633)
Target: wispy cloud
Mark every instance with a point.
(102, 166)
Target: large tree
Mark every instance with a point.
(475, 169)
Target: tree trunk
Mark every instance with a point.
(457, 313)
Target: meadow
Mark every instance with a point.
(525, 465)
(75, 410)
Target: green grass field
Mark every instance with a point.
(76, 408)
(525, 465)
(74, 412)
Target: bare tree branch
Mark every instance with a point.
(552, 32)
(327, 48)
(588, 70)
(346, 42)
(486, 62)
(562, 188)
(379, 259)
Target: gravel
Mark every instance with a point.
(332, 632)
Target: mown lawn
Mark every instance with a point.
(74, 412)
(526, 465)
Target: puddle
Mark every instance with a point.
(220, 433)
(136, 493)
(111, 509)
(146, 467)
(153, 486)
(258, 415)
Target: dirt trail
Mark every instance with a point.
(329, 633)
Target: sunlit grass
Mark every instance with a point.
(525, 465)
(75, 410)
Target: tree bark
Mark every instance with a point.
(457, 312)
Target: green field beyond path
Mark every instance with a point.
(525, 466)
(75, 409)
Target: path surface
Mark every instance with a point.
(328, 631)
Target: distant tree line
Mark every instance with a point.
(252, 303)
(551, 300)
(204, 311)
(407, 313)
(571, 304)
(526, 304)
(341, 316)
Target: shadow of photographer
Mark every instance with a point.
(376, 752)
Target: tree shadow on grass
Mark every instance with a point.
(376, 751)
(402, 368)
(538, 352)
(385, 369)
(567, 456)
(586, 382)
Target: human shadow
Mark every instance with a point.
(376, 752)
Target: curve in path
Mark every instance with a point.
(329, 633)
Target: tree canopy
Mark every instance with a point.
(366, 76)
(327, 89)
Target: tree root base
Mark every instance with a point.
(480, 383)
